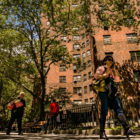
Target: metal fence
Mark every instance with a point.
(80, 116)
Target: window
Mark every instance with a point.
(86, 100)
(62, 68)
(85, 89)
(77, 78)
(74, 5)
(47, 31)
(105, 28)
(77, 90)
(135, 56)
(75, 67)
(90, 87)
(89, 63)
(62, 79)
(84, 55)
(76, 37)
(137, 76)
(88, 52)
(87, 33)
(103, 9)
(48, 23)
(64, 46)
(132, 38)
(64, 38)
(109, 54)
(129, 21)
(74, 1)
(127, 6)
(76, 47)
(75, 28)
(85, 77)
(83, 45)
(91, 100)
(90, 75)
(76, 56)
(83, 35)
(84, 66)
(77, 101)
(107, 39)
(46, 58)
(88, 42)
(63, 57)
(62, 90)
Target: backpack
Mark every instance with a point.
(105, 85)
(98, 85)
(111, 87)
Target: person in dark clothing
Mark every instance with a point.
(17, 113)
(108, 78)
(59, 116)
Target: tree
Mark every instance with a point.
(31, 48)
(61, 95)
(128, 88)
(36, 47)
(117, 13)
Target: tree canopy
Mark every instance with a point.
(29, 46)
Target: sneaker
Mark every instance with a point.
(103, 135)
(53, 134)
(7, 133)
(130, 132)
(20, 133)
(42, 132)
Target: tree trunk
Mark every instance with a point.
(1, 87)
(42, 111)
(43, 91)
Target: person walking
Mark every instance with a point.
(107, 78)
(17, 110)
(54, 109)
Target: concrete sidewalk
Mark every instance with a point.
(37, 136)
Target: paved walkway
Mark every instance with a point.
(36, 136)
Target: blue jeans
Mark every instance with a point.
(112, 103)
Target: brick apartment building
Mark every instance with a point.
(122, 45)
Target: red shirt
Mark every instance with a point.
(54, 109)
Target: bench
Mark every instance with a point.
(28, 127)
(38, 125)
(33, 126)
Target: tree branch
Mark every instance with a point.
(49, 66)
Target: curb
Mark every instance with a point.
(86, 132)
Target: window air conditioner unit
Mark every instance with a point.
(80, 94)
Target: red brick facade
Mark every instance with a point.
(119, 47)
(119, 44)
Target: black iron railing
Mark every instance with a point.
(80, 116)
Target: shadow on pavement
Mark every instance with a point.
(35, 136)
